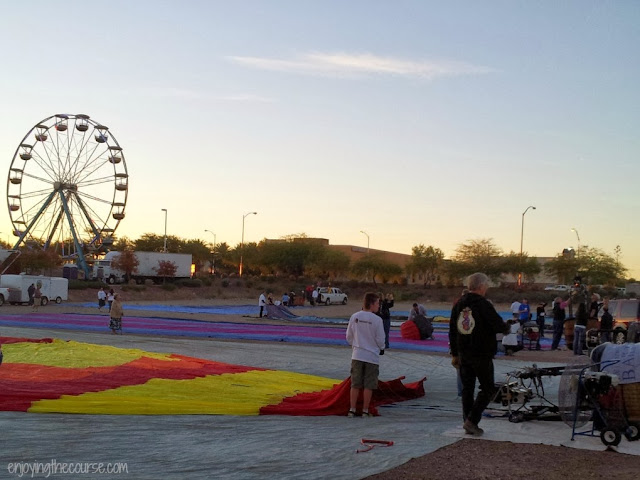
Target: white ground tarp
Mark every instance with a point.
(204, 447)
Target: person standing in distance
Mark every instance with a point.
(365, 334)
(262, 303)
(559, 317)
(386, 304)
(515, 309)
(473, 327)
(416, 310)
(30, 291)
(102, 298)
(524, 312)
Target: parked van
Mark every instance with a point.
(624, 312)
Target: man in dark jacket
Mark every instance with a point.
(472, 334)
(31, 291)
(558, 320)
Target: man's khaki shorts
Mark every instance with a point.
(364, 375)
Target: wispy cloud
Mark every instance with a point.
(188, 94)
(357, 65)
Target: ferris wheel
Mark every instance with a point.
(67, 187)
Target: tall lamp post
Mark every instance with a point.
(365, 233)
(242, 241)
(574, 230)
(521, 243)
(213, 256)
(165, 229)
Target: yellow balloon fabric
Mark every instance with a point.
(70, 354)
(226, 394)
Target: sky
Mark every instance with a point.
(415, 121)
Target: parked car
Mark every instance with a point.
(329, 295)
(624, 312)
(558, 288)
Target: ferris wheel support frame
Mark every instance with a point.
(83, 207)
(81, 260)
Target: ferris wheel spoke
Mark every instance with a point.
(35, 194)
(96, 181)
(46, 164)
(97, 164)
(81, 152)
(88, 215)
(40, 179)
(95, 199)
(72, 155)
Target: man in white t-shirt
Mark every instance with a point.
(365, 334)
(515, 310)
(262, 303)
(102, 298)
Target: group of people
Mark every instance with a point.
(473, 327)
(112, 299)
(522, 321)
(522, 315)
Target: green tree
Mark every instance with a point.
(36, 260)
(287, 258)
(198, 249)
(513, 263)
(327, 263)
(599, 268)
(425, 261)
(224, 255)
(564, 266)
(250, 258)
(127, 262)
(479, 255)
(375, 266)
(166, 269)
(123, 243)
(150, 242)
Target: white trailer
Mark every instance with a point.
(148, 265)
(53, 289)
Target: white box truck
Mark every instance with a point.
(148, 263)
(53, 289)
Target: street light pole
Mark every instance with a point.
(574, 230)
(242, 241)
(362, 231)
(522, 242)
(165, 229)
(213, 255)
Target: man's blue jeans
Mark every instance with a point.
(579, 334)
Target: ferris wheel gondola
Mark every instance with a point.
(67, 187)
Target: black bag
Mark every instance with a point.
(424, 326)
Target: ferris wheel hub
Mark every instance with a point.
(58, 186)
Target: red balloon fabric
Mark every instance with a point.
(409, 330)
(336, 400)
